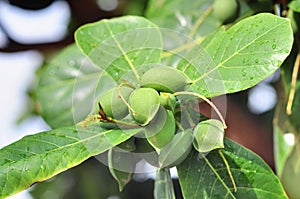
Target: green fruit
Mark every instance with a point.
(168, 101)
(226, 11)
(164, 79)
(291, 173)
(177, 150)
(208, 135)
(144, 103)
(121, 166)
(112, 104)
(160, 131)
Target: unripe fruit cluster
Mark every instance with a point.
(150, 107)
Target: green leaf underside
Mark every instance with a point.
(121, 166)
(163, 187)
(68, 86)
(240, 57)
(38, 157)
(253, 177)
(121, 44)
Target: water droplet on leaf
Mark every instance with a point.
(274, 46)
(244, 73)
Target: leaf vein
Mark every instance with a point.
(236, 53)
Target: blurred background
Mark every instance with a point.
(32, 31)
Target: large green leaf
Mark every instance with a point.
(120, 45)
(68, 86)
(207, 176)
(38, 157)
(240, 57)
(183, 23)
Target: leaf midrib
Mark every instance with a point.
(58, 148)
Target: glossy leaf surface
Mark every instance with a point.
(121, 45)
(239, 57)
(207, 176)
(38, 157)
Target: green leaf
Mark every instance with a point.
(163, 187)
(294, 5)
(240, 57)
(189, 17)
(183, 23)
(208, 135)
(68, 86)
(208, 177)
(120, 45)
(38, 157)
(121, 166)
(171, 154)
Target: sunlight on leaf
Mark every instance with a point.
(121, 44)
(38, 157)
(240, 57)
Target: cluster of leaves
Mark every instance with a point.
(216, 60)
